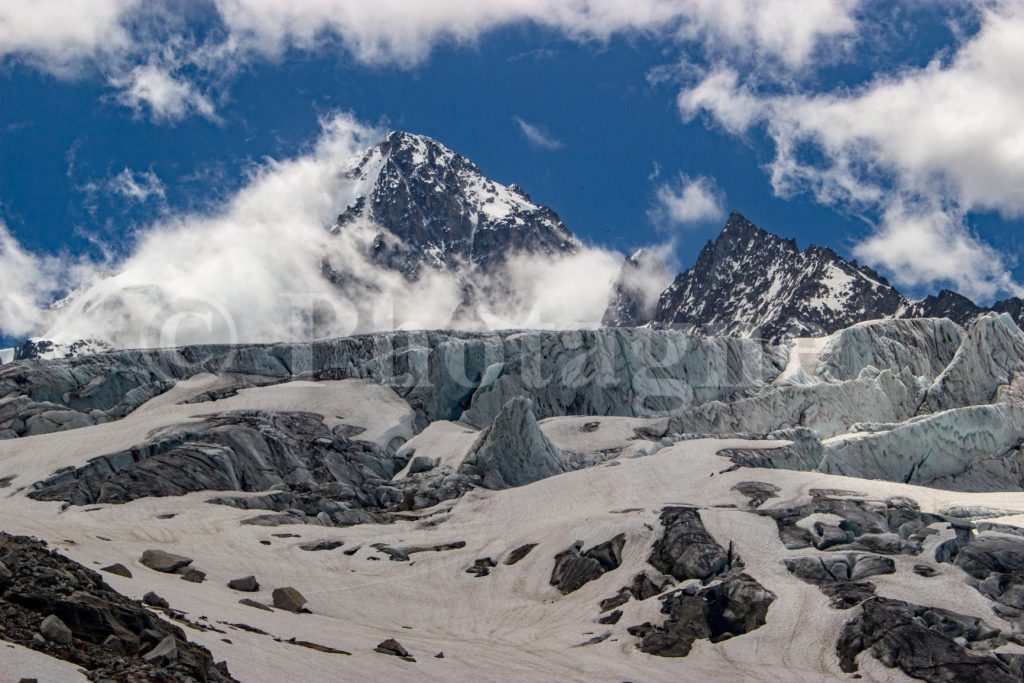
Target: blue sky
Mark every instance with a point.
(91, 157)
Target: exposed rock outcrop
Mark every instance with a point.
(83, 620)
(513, 451)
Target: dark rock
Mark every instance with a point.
(725, 291)
(246, 584)
(847, 594)
(482, 567)
(611, 618)
(644, 587)
(394, 648)
(573, 569)
(154, 600)
(757, 491)
(421, 463)
(925, 570)
(193, 575)
(289, 599)
(402, 553)
(921, 642)
(118, 569)
(734, 605)
(686, 550)
(820, 569)
(895, 526)
(106, 633)
(165, 562)
(617, 600)
(321, 545)
(519, 553)
(252, 603)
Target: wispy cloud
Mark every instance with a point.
(137, 186)
(538, 136)
(687, 201)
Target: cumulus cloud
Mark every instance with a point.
(142, 47)
(27, 282)
(59, 36)
(921, 149)
(538, 136)
(399, 32)
(688, 201)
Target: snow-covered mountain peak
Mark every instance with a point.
(443, 211)
(751, 282)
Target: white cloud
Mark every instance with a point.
(252, 269)
(166, 97)
(27, 283)
(538, 136)
(688, 200)
(920, 149)
(57, 36)
(925, 246)
(404, 33)
(137, 186)
(141, 47)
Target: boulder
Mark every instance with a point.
(154, 600)
(55, 630)
(573, 568)
(161, 561)
(165, 652)
(246, 584)
(394, 648)
(289, 599)
(118, 569)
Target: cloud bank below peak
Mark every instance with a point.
(253, 269)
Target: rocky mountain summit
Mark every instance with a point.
(749, 282)
(436, 209)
